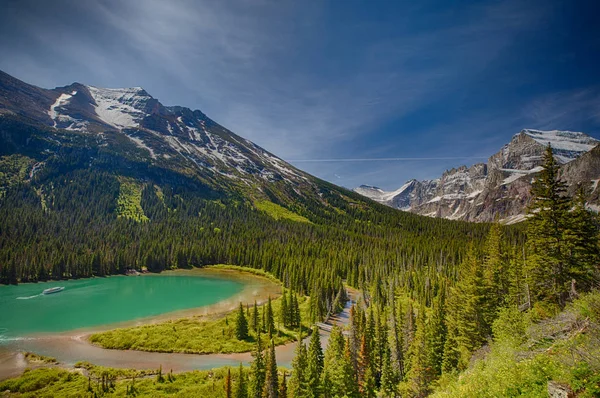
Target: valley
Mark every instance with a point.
(101, 183)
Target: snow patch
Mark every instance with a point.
(513, 219)
(566, 145)
(120, 107)
(62, 100)
(138, 141)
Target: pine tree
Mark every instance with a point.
(284, 312)
(258, 369)
(271, 387)
(348, 376)
(408, 333)
(241, 324)
(396, 341)
(467, 327)
(548, 221)
(270, 321)
(494, 272)
(228, 384)
(283, 386)
(368, 387)
(436, 335)
(516, 293)
(242, 387)
(582, 243)
(389, 378)
(298, 382)
(421, 372)
(364, 362)
(339, 378)
(315, 363)
(255, 318)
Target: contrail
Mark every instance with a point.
(385, 159)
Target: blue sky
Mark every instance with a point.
(332, 86)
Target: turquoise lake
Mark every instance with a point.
(100, 301)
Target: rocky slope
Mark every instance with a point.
(131, 123)
(500, 187)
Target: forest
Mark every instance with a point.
(434, 292)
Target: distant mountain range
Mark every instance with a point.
(128, 132)
(499, 188)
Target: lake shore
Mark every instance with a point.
(69, 348)
(73, 346)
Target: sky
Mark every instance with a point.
(355, 92)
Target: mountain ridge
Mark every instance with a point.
(498, 189)
(173, 136)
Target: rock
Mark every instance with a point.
(559, 390)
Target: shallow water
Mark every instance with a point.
(98, 301)
(72, 346)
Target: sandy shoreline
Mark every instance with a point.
(73, 346)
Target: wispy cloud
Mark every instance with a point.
(383, 159)
(314, 82)
(565, 109)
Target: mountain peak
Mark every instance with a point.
(121, 107)
(566, 145)
(497, 188)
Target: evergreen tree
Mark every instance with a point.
(242, 387)
(467, 327)
(284, 312)
(547, 267)
(421, 372)
(436, 335)
(364, 363)
(271, 388)
(298, 382)
(315, 363)
(254, 320)
(270, 321)
(582, 244)
(241, 324)
(228, 384)
(339, 378)
(368, 387)
(389, 378)
(348, 376)
(395, 339)
(517, 287)
(258, 369)
(283, 386)
(408, 333)
(494, 272)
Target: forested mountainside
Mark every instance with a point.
(98, 195)
(499, 189)
(86, 194)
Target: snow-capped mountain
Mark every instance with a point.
(130, 118)
(500, 187)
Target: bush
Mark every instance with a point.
(510, 326)
(543, 310)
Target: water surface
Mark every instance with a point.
(85, 303)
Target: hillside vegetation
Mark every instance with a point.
(527, 353)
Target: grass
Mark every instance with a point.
(97, 371)
(35, 358)
(519, 365)
(14, 169)
(278, 212)
(196, 335)
(129, 201)
(254, 271)
(61, 383)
